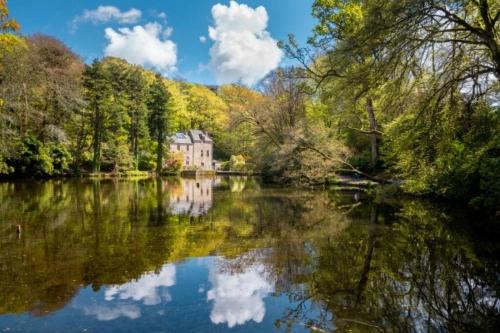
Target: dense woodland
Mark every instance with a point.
(399, 91)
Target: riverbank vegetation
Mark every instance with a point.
(395, 91)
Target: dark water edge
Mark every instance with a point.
(171, 255)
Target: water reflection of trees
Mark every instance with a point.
(95, 233)
(413, 275)
(345, 264)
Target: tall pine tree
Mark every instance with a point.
(158, 117)
(98, 95)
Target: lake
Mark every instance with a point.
(230, 255)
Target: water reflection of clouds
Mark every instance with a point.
(148, 289)
(239, 297)
(106, 313)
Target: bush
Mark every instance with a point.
(61, 158)
(147, 162)
(237, 163)
(174, 162)
(34, 158)
(5, 169)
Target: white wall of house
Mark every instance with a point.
(198, 154)
(202, 155)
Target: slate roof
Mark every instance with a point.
(190, 137)
(181, 138)
(198, 136)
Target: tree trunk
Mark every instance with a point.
(373, 135)
(159, 153)
(134, 140)
(97, 140)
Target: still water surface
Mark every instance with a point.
(227, 255)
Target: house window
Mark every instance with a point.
(202, 164)
(178, 147)
(208, 153)
(187, 147)
(202, 153)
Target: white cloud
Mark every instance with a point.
(243, 50)
(168, 32)
(105, 14)
(146, 288)
(203, 39)
(143, 45)
(239, 297)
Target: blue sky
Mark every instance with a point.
(240, 47)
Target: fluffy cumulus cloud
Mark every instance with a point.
(103, 14)
(243, 50)
(239, 297)
(146, 45)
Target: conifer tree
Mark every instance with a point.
(158, 117)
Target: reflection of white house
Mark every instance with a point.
(191, 197)
(196, 147)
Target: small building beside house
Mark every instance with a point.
(196, 147)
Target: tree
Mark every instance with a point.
(98, 95)
(56, 72)
(158, 100)
(136, 90)
(7, 24)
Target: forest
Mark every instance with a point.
(404, 93)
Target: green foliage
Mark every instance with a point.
(401, 101)
(237, 163)
(174, 163)
(6, 23)
(34, 158)
(158, 104)
(5, 168)
(61, 158)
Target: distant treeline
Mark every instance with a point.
(397, 91)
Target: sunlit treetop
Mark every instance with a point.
(6, 24)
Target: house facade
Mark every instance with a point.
(196, 148)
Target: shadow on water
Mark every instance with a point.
(332, 262)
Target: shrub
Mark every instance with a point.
(237, 163)
(34, 158)
(174, 162)
(61, 158)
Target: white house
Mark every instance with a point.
(196, 147)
